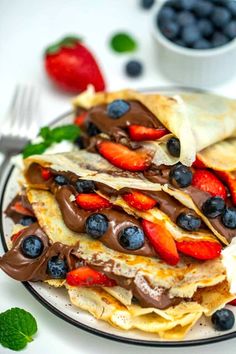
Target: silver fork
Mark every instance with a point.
(20, 124)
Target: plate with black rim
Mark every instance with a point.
(57, 301)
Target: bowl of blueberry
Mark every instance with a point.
(196, 40)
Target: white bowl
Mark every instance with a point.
(192, 67)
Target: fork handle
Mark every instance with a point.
(3, 167)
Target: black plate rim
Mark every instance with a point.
(61, 315)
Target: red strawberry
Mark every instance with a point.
(20, 209)
(233, 302)
(86, 276)
(162, 241)
(79, 120)
(17, 235)
(72, 67)
(92, 201)
(208, 182)
(46, 174)
(121, 156)
(198, 163)
(203, 250)
(230, 181)
(140, 133)
(139, 200)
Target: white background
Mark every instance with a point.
(26, 27)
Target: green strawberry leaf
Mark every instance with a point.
(123, 43)
(68, 41)
(17, 327)
(34, 149)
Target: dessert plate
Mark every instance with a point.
(57, 301)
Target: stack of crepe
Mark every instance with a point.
(149, 289)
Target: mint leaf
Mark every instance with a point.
(34, 149)
(123, 43)
(17, 327)
(65, 132)
(44, 133)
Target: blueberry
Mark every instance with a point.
(229, 218)
(57, 268)
(223, 320)
(202, 44)
(79, 142)
(118, 108)
(180, 176)
(166, 13)
(134, 68)
(203, 8)
(190, 34)
(185, 18)
(183, 4)
(188, 222)
(32, 246)
(220, 16)
(132, 238)
(213, 207)
(173, 146)
(206, 28)
(231, 5)
(146, 4)
(230, 30)
(61, 180)
(219, 39)
(96, 225)
(83, 186)
(27, 220)
(169, 29)
(92, 130)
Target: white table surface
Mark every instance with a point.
(26, 27)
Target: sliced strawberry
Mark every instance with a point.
(20, 209)
(162, 241)
(86, 276)
(139, 200)
(230, 181)
(198, 163)
(122, 157)
(17, 235)
(92, 201)
(203, 250)
(140, 133)
(208, 182)
(233, 302)
(46, 174)
(79, 120)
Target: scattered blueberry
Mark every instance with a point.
(180, 176)
(190, 34)
(92, 130)
(32, 246)
(203, 8)
(219, 39)
(202, 44)
(61, 180)
(183, 4)
(231, 5)
(79, 142)
(117, 108)
(185, 18)
(206, 27)
(147, 4)
(220, 16)
(84, 186)
(96, 225)
(230, 30)
(223, 320)
(27, 220)
(132, 238)
(57, 268)
(173, 146)
(169, 29)
(166, 13)
(188, 222)
(134, 68)
(213, 207)
(229, 218)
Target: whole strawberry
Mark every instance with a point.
(71, 66)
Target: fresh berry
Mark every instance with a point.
(166, 13)
(203, 250)
(180, 176)
(220, 16)
(173, 146)
(61, 180)
(85, 186)
(213, 207)
(223, 320)
(20, 209)
(124, 158)
(185, 18)
(169, 29)
(32, 246)
(46, 173)
(80, 142)
(233, 302)
(71, 66)
(219, 39)
(139, 200)
(57, 268)
(202, 44)
(231, 5)
(92, 130)
(141, 133)
(15, 236)
(86, 276)
(131, 238)
(162, 241)
(198, 163)
(190, 34)
(203, 8)
(206, 27)
(229, 218)
(183, 4)
(92, 201)
(118, 108)
(208, 182)
(230, 29)
(80, 119)
(230, 182)
(27, 220)
(96, 225)
(188, 222)
(134, 68)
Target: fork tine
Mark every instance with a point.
(11, 116)
(33, 113)
(18, 111)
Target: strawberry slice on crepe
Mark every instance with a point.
(141, 133)
(86, 276)
(139, 200)
(203, 250)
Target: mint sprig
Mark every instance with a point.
(123, 43)
(17, 327)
